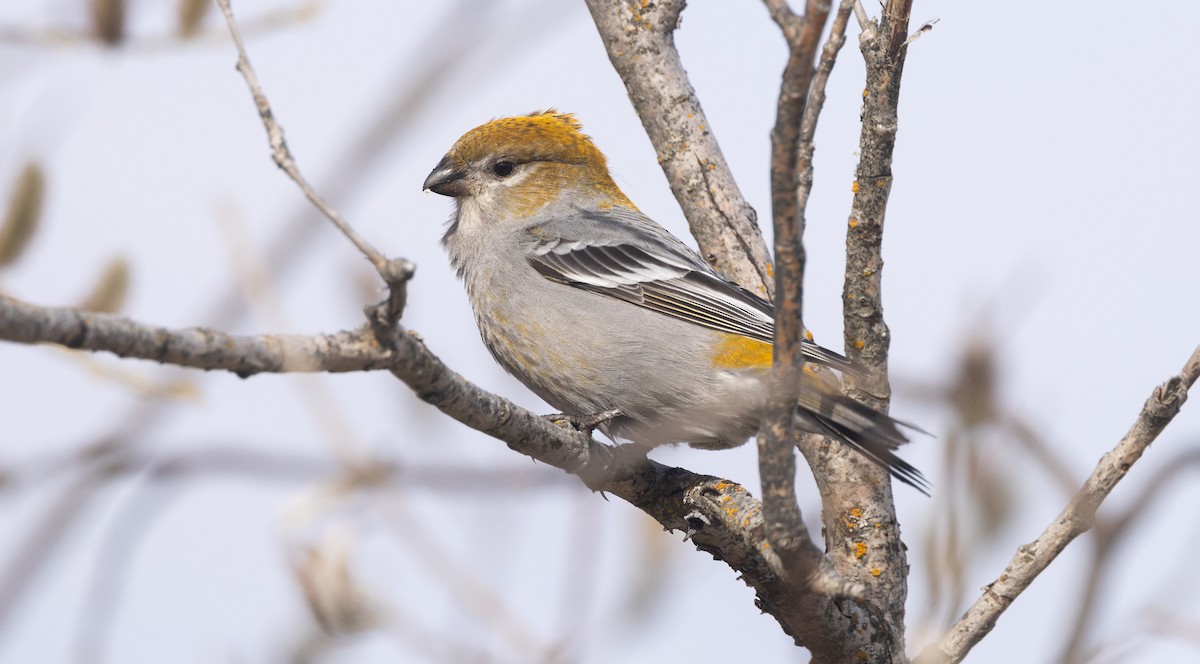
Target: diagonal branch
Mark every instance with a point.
(816, 101)
(279, 149)
(396, 272)
(639, 38)
(1075, 519)
(719, 516)
(776, 448)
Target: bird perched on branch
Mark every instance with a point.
(608, 317)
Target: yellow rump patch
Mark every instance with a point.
(734, 351)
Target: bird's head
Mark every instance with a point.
(513, 167)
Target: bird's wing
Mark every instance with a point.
(631, 273)
(631, 258)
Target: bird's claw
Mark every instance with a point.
(586, 424)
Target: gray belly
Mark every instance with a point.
(585, 353)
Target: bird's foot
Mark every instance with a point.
(586, 424)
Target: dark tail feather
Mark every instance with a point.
(833, 360)
(872, 433)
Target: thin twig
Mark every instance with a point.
(776, 440)
(860, 14)
(279, 149)
(639, 38)
(443, 53)
(1075, 519)
(395, 272)
(803, 560)
(803, 37)
(816, 101)
(920, 31)
(788, 21)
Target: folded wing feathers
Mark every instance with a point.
(670, 285)
(684, 291)
(739, 318)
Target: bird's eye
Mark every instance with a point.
(503, 168)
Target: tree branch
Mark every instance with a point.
(862, 536)
(786, 531)
(1075, 519)
(396, 272)
(279, 149)
(835, 631)
(639, 38)
(816, 101)
(196, 347)
(720, 517)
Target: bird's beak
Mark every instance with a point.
(448, 178)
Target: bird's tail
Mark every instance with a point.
(876, 435)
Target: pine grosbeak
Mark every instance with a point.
(595, 307)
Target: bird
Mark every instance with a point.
(610, 318)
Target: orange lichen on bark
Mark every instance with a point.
(852, 521)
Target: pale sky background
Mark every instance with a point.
(1045, 175)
